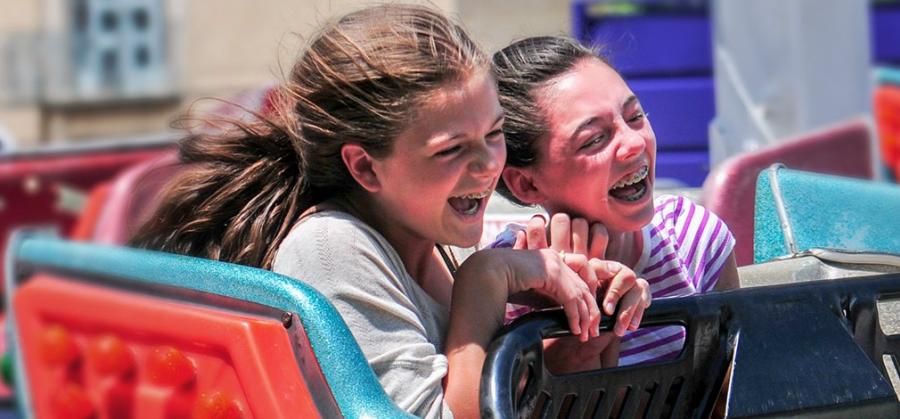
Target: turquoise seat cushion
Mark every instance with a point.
(797, 211)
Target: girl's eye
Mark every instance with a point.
(637, 117)
(597, 139)
(448, 152)
(497, 133)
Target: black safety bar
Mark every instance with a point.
(813, 349)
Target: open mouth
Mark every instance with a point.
(632, 187)
(470, 204)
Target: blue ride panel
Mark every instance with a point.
(885, 29)
(797, 211)
(658, 39)
(688, 168)
(680, 110)
(663, 50)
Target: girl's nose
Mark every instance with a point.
(487, 161)
(631, 145)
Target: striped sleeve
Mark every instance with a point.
(704, 243)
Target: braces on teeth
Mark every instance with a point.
(635, 178)
(476, 195)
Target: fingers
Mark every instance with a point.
(565, 234)
(580, 236)
(574, 314)
(583, 315)
(646, 297)
(569, 235)
(578, 301)
(521, 241)
(585, 321)
(630, 313)
(536, 233)
(561, 232)
(599, 241)
(619, 278)
(600, 274)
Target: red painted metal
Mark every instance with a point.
(887, 118)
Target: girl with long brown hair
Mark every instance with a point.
(387, 146)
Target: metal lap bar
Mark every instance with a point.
(812, 349)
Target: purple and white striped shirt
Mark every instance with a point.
(685, 248)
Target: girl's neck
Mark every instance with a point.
(625, 247)
(419, 256)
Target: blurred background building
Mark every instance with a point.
(76, 70)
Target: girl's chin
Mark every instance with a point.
(469, 237)
(636, 220)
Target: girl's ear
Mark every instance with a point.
(521, 183)
(359, 164)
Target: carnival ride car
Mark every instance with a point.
(105, 331)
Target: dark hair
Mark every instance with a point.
(521, 69)
(359, 82)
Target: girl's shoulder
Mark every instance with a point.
(337, 234)
(677, 215)
(668, 204)
(330, 225)
(677, 209)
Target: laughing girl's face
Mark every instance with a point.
(444, 166)
(598, 159)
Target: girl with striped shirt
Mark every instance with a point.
(580, 145)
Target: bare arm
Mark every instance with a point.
(728, 279)
(480, 291)
(476, 314)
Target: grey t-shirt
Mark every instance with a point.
(399, 327)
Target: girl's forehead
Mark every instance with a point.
(458, 108)
(591, 89)
(588, 79)
(459, 89)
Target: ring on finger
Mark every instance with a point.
(562, 255)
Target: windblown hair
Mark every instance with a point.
(522, 69)
(359, 81)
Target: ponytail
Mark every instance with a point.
(236, 198)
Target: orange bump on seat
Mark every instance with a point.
(57, 346)
(217, 405)
(110, 356)
(170, 367)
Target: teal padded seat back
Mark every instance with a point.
(843, 149)
(354, 386)
(887, 75)
(798, 211)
